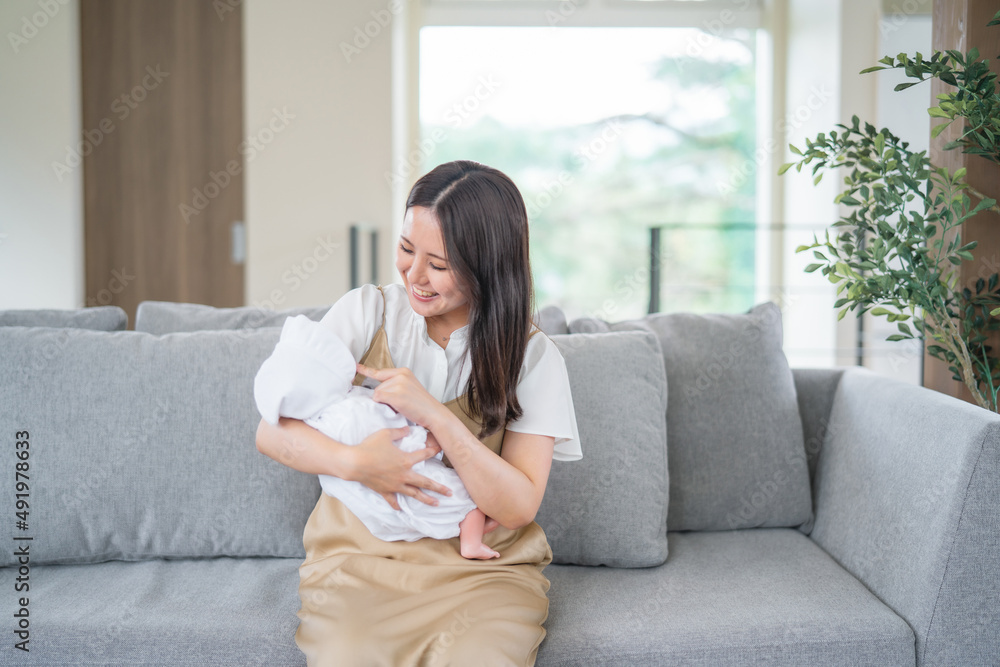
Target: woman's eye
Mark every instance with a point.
(405, 249)
(439, 268)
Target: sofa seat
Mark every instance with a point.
(757, 596)
(214, 611)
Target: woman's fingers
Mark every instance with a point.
(426, 482)
(399, 432)
(420, 482)
(424, 453)
(391, 499)
(388, 470)
(424, 498)
(380, 374)
(432, 443)
(372, 373)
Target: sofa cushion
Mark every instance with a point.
(745, 597)
(143, 446)
(551, 320)
(610, 507)
(737, 458)
(160, 317)
(211, 611)
(98, 318)
(588, 325)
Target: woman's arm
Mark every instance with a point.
(508, 488)
(376, 462)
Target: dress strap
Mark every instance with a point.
(377, 355)
(379, 288)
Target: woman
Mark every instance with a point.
(452, 350)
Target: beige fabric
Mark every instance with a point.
(373, 603)
(377, 355)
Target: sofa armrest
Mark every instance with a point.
(907, 496)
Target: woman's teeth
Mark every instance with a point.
(420, 292)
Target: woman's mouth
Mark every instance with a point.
(421, 294)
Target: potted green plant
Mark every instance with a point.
(896, 253)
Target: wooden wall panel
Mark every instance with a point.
(961, 25)
(163, 102)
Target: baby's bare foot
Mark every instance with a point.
(479, 551)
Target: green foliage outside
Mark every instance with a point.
(594, 190)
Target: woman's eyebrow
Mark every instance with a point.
(443, 259)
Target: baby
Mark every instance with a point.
(309, 376)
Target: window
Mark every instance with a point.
(609, 132)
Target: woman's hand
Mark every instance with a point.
(401, 390)
(508, 488)
(387, 470)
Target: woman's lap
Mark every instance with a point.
(368, 602)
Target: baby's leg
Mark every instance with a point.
(470, 534)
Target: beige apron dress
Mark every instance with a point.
(367, 602)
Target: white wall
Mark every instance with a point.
(811, 106)
(328, 168)
(904, 114)
(41, 217)
(827, 45)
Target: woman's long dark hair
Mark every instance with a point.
(485, 228)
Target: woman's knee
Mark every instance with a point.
(474, 642)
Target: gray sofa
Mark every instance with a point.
(728, 509)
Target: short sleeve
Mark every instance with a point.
(355, 318)
(544, 395)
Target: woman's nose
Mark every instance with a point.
(415, 274)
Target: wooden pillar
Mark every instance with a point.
(961, 25)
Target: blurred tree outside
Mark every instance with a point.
(593, 191)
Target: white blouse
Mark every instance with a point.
(543, 390)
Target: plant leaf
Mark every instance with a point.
(938, 129)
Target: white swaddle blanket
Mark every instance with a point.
(310, 376)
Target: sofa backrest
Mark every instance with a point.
(98, 318)
(734, 433)
(145, 443)
(142, 446)
(160, 317)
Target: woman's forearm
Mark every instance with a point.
(299, 446)
(375, 462)
(498, 488)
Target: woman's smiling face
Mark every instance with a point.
(422, 262)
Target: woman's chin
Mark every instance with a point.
(424, 308)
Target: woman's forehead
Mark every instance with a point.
(420, 225)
